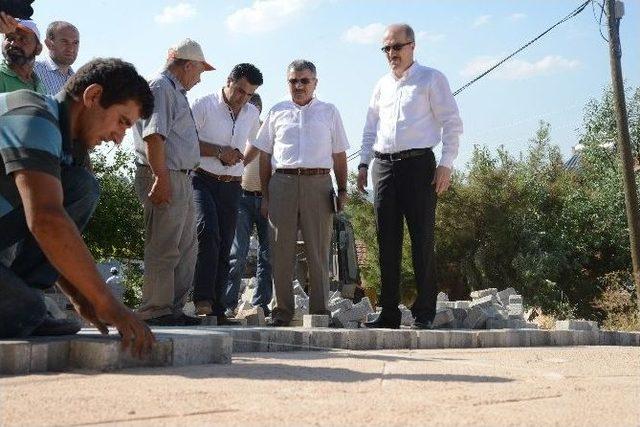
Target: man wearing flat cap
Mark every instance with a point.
(19, 50)
(167, 149)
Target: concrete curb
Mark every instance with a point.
(215, 345)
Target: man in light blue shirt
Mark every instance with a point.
(63, 41)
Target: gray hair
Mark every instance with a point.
(301, 65)
(408, 31)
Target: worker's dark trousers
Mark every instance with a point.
(24, 270)
(403, 189)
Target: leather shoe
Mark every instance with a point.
(225, 321)
(171, 320)
(277, 323)
(382, 322)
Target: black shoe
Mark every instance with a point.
(421, 323)
(277, 323)
(225, 321)
(383, 322)
(171, 320)
(52, 326)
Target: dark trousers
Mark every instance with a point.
(403, 189)
(216, 205)
(248, 215)
(24, 269)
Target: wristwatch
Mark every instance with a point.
(363, 165)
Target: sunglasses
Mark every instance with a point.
(394, 47)
(305, 81)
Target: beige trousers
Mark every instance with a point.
(170, 245)
(300, 202)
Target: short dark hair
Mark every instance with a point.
(247, 71)
(53, 28)
(301, 65)
(119, 80)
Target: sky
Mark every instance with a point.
(552, 80)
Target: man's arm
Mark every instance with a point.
(228, 156)
(250, 153)
(265, 177)
(161, 189)
(8, 23)
(60, 240)
(369, 134)
(340, 171)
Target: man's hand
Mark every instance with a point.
(230, 156)
(442, 179)
(264, 207)
(161, 189)
(362, 179)
(82, 305)
(8, 23)
(343, 197)
(135, 334)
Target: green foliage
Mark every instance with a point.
(526, 221)
(132, 283)
(116, 228)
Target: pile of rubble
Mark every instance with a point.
(346, 314)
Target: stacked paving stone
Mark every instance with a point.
(346, 314)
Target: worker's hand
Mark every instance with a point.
(362, 179)
(8, 23)
(442, 179)
(161, 189)
(136, 335)
(82, 306)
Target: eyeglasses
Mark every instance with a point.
(394, 47)
(305, 81)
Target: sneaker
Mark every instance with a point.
(51, 326)
(203, 308)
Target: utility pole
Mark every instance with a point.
(615, 10)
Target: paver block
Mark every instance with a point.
(476, 317)
(359, 339)
(443, 318)
(208, 320)
(576, 325)
(395, 339)
(462, 304)
(445, 305)
(539, 337)
(246, 340)
(340, 304)
(315, 321)
(254, 316)
(106, 354)
(503, 295)
(560, 338)
(461, 339)
(285, 339)
(482, 293)
(496, 323)
(49, 354)
(484, 302)
(199, 346)
(442, 297)
(15, 357)
(460, 315)
(325, 339)
(487, 339)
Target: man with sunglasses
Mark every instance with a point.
(411, 111)
(301, 141)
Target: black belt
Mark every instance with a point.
(401, 155)
(184, 171)
(252, 193)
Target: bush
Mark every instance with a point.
(618, 302)
(132, 283)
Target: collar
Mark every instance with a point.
(313, 101)
(408, 72)
(52, 66)
(223, 103)
(174, 81)
(4, 68)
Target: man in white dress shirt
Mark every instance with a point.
(411, 111)
(226, 123)
(301, 141)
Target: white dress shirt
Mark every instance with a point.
(302, 137)
(414, 111)
(215, 125)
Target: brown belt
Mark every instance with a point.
(252, 193)
(221, 178)
(304, 171)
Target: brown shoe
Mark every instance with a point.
(203, 308)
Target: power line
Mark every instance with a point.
(573, 13)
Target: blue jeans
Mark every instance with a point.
(216, 206)
(25, 271)
(248, 215)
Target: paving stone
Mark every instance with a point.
(246, 340)
(208, 320)
(539, 337)
(496, 323)
(106, 354)
(15, 357)
(461, 304)
(560, 338)
(341, 304)
(503, 296)
(49, 354)
(516, 338)
(608, 338)
(483, 302)
(254, 316)
(460, 315)
(325, 339)
(371, 317)
(515, 310)
(487, 339)
(442, 297)
(461, 339)
(582, 337)
(515, 299)
(482, 293)
(445, 305)
(359, 339)
(443, 319)
(476, 317)
(285, 339)
(428, 339)
(315, 321)
(407, 317)
(576, 325)
(396, 339)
